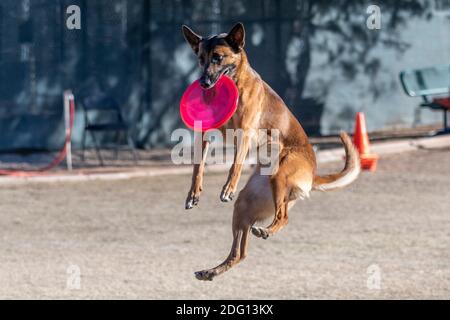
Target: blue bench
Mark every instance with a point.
(433, 85)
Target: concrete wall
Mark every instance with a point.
(430, 45)
(134, 51)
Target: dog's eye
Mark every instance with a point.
(217, 58)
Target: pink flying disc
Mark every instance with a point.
(211, 108)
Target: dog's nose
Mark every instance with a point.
(205, 82)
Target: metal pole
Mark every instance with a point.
(68, 99)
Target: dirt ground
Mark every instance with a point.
(133, 239)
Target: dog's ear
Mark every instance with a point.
(192, 38)
(236, 37)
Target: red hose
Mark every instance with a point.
(56, 161)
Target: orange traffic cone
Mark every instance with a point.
(361, 139)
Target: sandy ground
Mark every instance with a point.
(133, 239)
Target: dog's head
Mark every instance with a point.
(217, 55)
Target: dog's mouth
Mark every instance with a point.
(226, 71)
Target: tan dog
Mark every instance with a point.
(259, 107)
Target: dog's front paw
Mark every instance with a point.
(227, 194)
(260, 232)
(191, 201)
(206, 275)
(226, 197)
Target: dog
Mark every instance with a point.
(259, 107)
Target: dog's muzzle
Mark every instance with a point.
(207, 82)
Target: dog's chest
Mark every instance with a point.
(242, 119)
(248, 113)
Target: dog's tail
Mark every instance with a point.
(346, 176)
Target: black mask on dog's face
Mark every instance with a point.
(217, 55)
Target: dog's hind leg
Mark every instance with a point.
(281, 201)
(238, 252)
(293, 181)
(253, 203)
